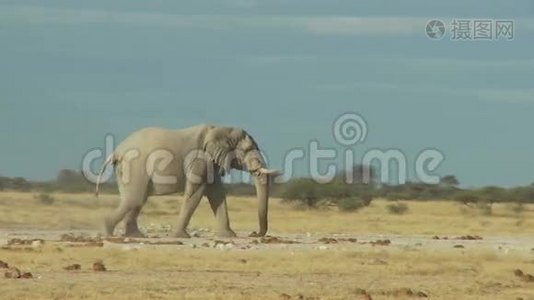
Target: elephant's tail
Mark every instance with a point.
(110, 159)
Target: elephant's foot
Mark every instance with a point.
(182, 234)
(109, 226)
(134, 233)
(132, 230)
(226, 233)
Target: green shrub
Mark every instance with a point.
(397, 208)
(310, 193)
(484, 207)
(351, 204)
(516, 207)
(493, 194)
(467, 197)
(45, 199)
(303, 190)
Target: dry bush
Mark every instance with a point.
(45, 199)
(397, 208)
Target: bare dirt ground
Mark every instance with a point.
(436, 251)
(291, 242)
(248, 267)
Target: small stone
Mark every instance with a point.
(37, 244)
(3, 265)
(73, 267)
(12, 273)
(377, 261)
(27, 275)
(285, 296)
(422, 294)
(99, 266)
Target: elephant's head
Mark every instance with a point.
(234, 148)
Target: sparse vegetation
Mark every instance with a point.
(484, 207)
(45, 199)
(516, 208)
(303, 191)
(397, 208)
(351, 204)
(129, 269)
(306, 192)
(311, 194)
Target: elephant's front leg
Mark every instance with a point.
(217, 198)
(193, 194)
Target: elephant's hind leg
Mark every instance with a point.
(217, 198)
(132, 200)
(131, 228)
(116, 216)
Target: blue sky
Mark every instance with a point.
(72, 72)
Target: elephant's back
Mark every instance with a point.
(149, 138)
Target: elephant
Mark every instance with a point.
(159, 161)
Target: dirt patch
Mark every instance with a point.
(380, 243)
(524, 276)
(273, 240)
(329, 240)
(463, 238)
(79, 238)
(73, 267)
(127, 240)
(82, 240)
(98, 266)
(15, 273)
(363, 293)
(24, 242)
(403, 293)
(469, 238)
(285, 296)
(88, 244)
(3, 265)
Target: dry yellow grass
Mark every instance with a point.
(84, 211)
(337, 272)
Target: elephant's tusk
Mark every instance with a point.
(270, 172)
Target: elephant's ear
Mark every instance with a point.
(218, 145)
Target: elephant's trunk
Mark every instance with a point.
(256, 166)
(262, 192)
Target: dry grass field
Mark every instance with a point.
(298, 263)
